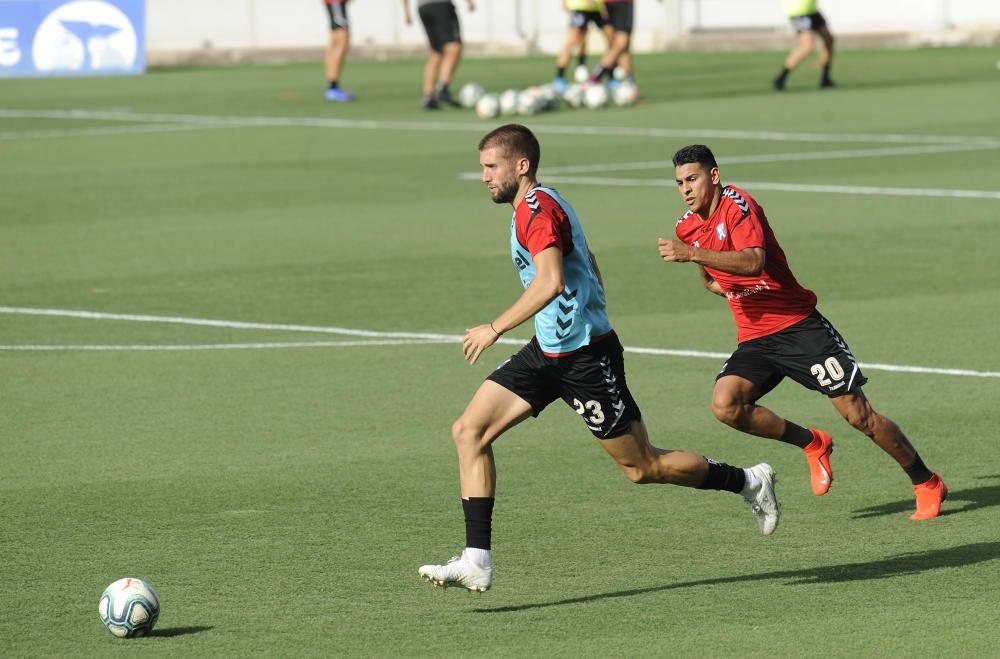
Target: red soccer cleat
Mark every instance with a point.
(818, 454)
(929, 498)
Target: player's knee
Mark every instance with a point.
(467, 437)
(728, 410)
(638, 474)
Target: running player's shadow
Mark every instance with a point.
(900, 565)
(976, 497)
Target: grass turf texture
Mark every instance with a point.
(280, 500)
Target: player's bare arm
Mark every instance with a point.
(547, 284)
(748, 262)
(597, 270)
(709, 283)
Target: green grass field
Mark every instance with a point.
(279, 487)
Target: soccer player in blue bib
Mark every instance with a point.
(575, 355)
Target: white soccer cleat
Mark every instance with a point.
(459, 571)
(762, 501)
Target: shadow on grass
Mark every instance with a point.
(974, 498)
(888, 568)
(170, 632)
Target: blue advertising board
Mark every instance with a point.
(72, 37)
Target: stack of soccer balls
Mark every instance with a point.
(542, 98)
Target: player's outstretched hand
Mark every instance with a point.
(477, 340)
(673, 250)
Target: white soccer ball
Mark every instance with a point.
(595, 96)
(129, 607)
(618, 73)
(574, 95)
(469, 94)
(508, 101)
(488, 106)
(626, 93)
(581, 74)
(549, 97)
(528, 102)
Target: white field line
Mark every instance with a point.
(776, 157)
(415, 337)
(215, 346)
(109, 130)
(781, 187)
(223, 121)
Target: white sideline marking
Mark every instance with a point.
(216, 346)
(416, 337)
(223, 121)
(86, 132)
(782, 187)
(775, 157)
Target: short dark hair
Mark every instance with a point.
(515, 141)
(696, 153)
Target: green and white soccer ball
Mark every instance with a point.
(129, 607)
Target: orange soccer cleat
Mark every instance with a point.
(929, 497)
(818, 454)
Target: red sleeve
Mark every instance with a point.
(542, 223)
(745, 228)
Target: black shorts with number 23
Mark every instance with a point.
(811, 352)
(590, 380)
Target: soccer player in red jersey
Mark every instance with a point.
(780, 332)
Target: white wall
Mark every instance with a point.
(540, 24)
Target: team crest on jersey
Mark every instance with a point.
(720, 230)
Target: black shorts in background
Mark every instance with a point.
(581, 19)
(811, 352)
(441, 24)
(590, 380)
(808, 23)
(621, 15)
(338, 16)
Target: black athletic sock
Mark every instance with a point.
(581, 60)
(561, 72)
(333, 84)
(783, 75)
(478, 521)
(723, 477)
(796, 435)
(826, 74)
(601, 72)
(918, 471)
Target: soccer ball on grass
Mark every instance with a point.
(129, 607)
(470, 93)
(488, 106)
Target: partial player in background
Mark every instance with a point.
(444, 34)
(581, 14)
(336, 49)
(575, 355)
(806, 19)
(780, 332)
(621, 14)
